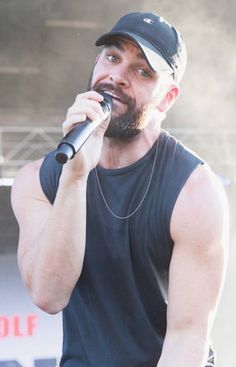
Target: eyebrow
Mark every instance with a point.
(120, 46)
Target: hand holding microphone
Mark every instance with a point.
(75, 138)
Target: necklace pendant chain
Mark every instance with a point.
(141, 201)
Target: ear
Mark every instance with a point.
(169, 99)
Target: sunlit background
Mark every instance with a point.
(46, 55)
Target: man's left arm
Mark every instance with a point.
(199, 228)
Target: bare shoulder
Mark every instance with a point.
(27, 179)
(201, 210)
(203, 183)
(30, 168)
(26, 187)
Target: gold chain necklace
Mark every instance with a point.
(143, 198)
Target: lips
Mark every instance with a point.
(115, 92)
(114, 96)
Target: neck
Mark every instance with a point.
(118, 154)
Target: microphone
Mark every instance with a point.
(73, 141)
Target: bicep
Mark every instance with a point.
(30, 206)
(199, 228)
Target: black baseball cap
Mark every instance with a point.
(161, 43)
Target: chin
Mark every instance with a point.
(124, 135)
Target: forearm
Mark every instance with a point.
(52, 265)
(186, 349)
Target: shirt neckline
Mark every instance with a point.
(133, 166)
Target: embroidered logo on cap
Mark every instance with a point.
(147, 20)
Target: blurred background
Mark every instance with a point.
(46, 55)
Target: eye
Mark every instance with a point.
(112, 58)
(144, 73)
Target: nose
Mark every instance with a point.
(119, 78)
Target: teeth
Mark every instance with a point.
(113, 95)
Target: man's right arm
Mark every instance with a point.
(51, 239)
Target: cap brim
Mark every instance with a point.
(154, 57)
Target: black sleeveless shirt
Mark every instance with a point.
(116, 316)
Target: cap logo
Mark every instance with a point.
(147, 20)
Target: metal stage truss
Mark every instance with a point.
(22, 144)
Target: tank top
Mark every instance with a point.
(116, 316)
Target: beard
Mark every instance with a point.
(126, 125)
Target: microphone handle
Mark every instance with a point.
(76, 137)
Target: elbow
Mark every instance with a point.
(50, 306)
(48, 298)
(48, 301)
(51, 309)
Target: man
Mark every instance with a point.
(128, 238)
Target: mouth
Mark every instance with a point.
(114, 96)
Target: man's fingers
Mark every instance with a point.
(86, 106)
(90, 108)
(71, 122)
(91, 95)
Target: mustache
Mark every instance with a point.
(109, 87)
